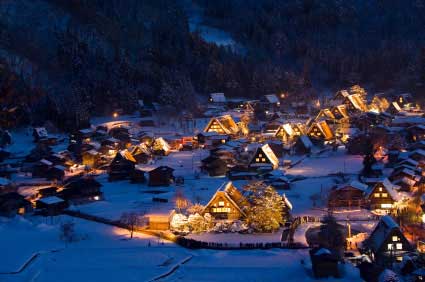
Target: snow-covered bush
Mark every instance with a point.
(179, 222)
(197, 222)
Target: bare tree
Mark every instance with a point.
(132, 220)
(67, 232)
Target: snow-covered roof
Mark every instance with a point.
(46, 162)
(4, 181)
(322, 251)
(162, 144)
(60, 167)
(268, 153)
(41, 131)
(287, 202)
(271, 98)
(355, 184)
(51, 200)
(306, 141)
(382, 230)
(127, 155)
(218, 98)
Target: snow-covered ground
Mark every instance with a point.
(105, 253)
(258, 265)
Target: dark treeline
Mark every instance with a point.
(377, 42)
(66, 60)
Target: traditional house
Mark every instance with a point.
(12, 204)
(270, 102)
(383, 195)
(161, 176)
(351, 195)
(416, 133)
(387, 242)
(340, 112)
(355, 103)
(215, 165)
(90, 158)
(324, 263)
(264, 158)
(41, 168)
(394, 108)
(122, 166)
(340, 96)
(286, 133)
(141, 153)
(56, 172)
(222, 125)
(82, 190)
(227, 203)
(51, 205)
(325, 114)
(320, 131)
(39, 133)
(404, 99)
(161, 147)
(303, 145)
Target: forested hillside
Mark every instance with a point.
(65, 60)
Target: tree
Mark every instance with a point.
(267, 209)
(181, 201)
(368, 162)
(331, 235)
(179, 222)
(131, 220)
(197, 223)
(67, 232)
(196, 208)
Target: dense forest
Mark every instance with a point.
(66, 60)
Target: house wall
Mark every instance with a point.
(384, 198)
(222, 208)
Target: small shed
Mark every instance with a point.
(161, 176)
(51, 205)
(324, 263)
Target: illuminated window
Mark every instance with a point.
(220, 210)
(257, 160)
(386, 206)
(384, 195)
(376, 195)
(399, 246)
(221, 204)
(390, 247)
(395, 238)
(263, 160)
(380, 189)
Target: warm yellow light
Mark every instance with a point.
(423, 218)
(115, 114)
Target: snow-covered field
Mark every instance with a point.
(105, 254)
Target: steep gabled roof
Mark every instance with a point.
(271, 98)
(226, 123)
(357, 102)
(268, 152)
(127, 156)
(324, 129)
(385, 228)
(228, 190)
(306, 141)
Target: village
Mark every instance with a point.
(338, 178)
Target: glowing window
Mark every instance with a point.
(390, 247)
(380, 189)
(221, 204)
(395, 238)
(376, 195)
(257, 160)
(399, 246)
(384, 195)
(386, 206)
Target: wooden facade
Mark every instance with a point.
(226, 204)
